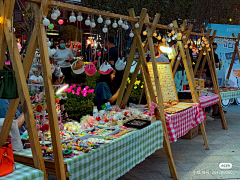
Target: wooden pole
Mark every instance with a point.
(24, 95)
(52, 114)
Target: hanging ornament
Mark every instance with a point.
(145, 33)
(200, 48)
(46, 21)
(169, 34)
(123, 25)
(185, 46)
(207, 46)
(54, 16)
(206, 42)
(203, 38)
(173, 32)
(79, 17)
(72, 18)
(188, 42)
(159, 37)
(171, 24)
(155, 34)
(105, 29)
(50, 26)
(136, 25)
(60, 21)
(115, 25)
(204, 53)
(120, 22)
(203, 44)
(126, 26)
(179, 58)
(88, 22)
(190, 47)
(56, 11)
(199, 40)
(131, 34)
(93, 24)
(209, 49)
(173, 38)
(100, 19)
(163, 40)
(169, 40)
(108, 21)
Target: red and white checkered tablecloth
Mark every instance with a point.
(180, 123)
(207, 101)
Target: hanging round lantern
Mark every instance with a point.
(209, 49)
(172, 32)
(169, 40)
(145, 33)
(79, 17)
(199, 40)
(173, 38)
(115, 25)
(200, 48)
(159, 37)
(100, 19)
(185, 46)
(178, 58)
(120, 22)
(163, 40)
(46, 21)
(72, 18)
(54, 16)
(169, 34)
(56, 11)
(190, 47)
(93, 24)
(171, 25)
(105, 29)
(207, 46)
(188, 42)
(108, 21)
(50, 26)
(60, 21)
(204, 53)
(131, 34)
(88, 22)
(126, 26)
(136, 25)
(155, 34)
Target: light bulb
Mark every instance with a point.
(204, 53)
(169, 40)
(131, 34)
(203, 38)
(190, 47)
(137, 25)
(185, 46)
(200, 48)
(105, 29)
(171, 24)
(199, 40)
(155, 34)
(72, 18)
(56, 11)
(172, 32)
(54, 16)
(203, 45)
(188, 42)
(46, 21)
(144, 33)
(115, 25)
(79, 17)
(159, 37)
(108, 22)
(169, 34)
(88, 22)
(209, 49)
(120, 22)
(163, 40)
(93, 24)
(207, 45)
(100, 19)
(126, 26)
(173, 38)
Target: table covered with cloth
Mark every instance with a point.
(207, 101)
(115, 159)
(22, 172)
(180, 123)
(230, 95)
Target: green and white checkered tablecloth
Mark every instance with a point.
(23, 172)
(113, 160)
(230, 95)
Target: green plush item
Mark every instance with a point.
(67, 152)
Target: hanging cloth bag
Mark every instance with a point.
(6, 160)
(8, 85)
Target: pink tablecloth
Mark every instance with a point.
(207, 101)
(180, 123)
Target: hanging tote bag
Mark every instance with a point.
(8, 85)
(6, 160)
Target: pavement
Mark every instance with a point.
(192, 160)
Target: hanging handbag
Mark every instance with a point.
(6, 160)
(8, 85)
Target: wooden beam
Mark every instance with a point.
(176, 67)
(24, 96)
(3, 43)
(47, 76)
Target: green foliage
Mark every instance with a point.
(91, 81)
(68, 33)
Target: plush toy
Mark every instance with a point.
(78, 66)
(120, 64)
(90, 69)
(105, 68)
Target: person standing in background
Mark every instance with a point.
(64, 57)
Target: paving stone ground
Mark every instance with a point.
(192, 160)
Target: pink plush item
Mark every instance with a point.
(61, 126)
(105, 73)
(90, 69)
(91, 119)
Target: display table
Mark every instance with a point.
(230, 95)
(180, 123)
(207, 101)
(23, 172)
(112, 160)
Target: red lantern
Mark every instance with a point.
(60, 21)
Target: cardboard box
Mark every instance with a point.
(191, 133)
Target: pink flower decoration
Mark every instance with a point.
(91, 91)
(73, 92)
(69, 90)
(65, 90)
(71, 87)
(78, 89)
(78, 93)
(85, 94)
(74, 85)
(86, 87)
